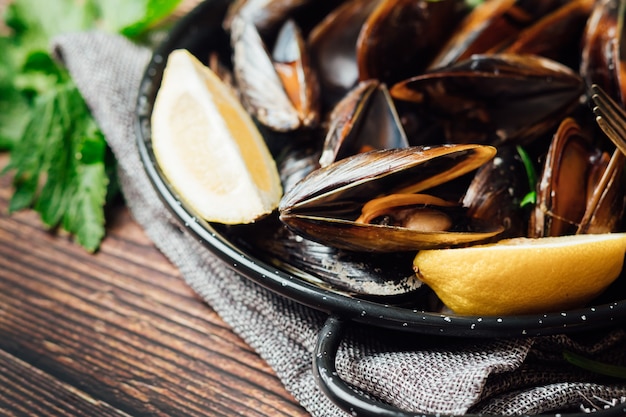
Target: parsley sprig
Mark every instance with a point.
(62, 166)
(531, 175)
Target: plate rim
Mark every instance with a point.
(374, 313)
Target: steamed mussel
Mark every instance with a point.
(494, 99)
(569, 190)
(365, 119)
(540, 27)
(328, 204)
(280, 87)
(419, 125)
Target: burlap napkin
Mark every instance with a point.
(416, 373)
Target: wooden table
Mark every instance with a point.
(115, 333)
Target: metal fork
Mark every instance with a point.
(610, 117)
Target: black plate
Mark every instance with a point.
(201, 32)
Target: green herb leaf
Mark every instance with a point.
(14, 113)
(14, 106)
(62, 166)
(35, 22)
(132, 19)
(474, 3)
(60, 161)
(84, 216)
(531, 196)
(59, 166)
(28, 155)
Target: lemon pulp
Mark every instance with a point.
(209, 148)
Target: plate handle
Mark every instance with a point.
(336, 389)
(358, 404)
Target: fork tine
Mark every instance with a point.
(607, 128)
(610, 117)
(601, 96)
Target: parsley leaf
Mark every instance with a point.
(62, 166)
(531, 197)
(138, 16)
(59, 166)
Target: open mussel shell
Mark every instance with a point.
(291, 61)
(365, 119)
(556, 35)
(401, 37)
(281, 89)
(475, 34)
(605, 205)
(333, 48)
(325, 205)
(495, 99)
(265, 15)
(602, 61)
(493, 26)
(261, 89)
(362, 237)
(579, 190)
(269, 15)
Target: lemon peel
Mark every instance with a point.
(523, 275)
(209, 148)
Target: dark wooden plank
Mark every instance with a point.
(118, 329)
(26, 390)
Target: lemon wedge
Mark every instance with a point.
(523, 275)
(209, 148)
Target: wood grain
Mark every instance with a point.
(115, 333)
